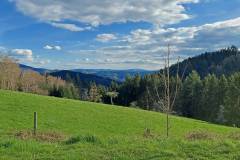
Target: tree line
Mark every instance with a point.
(213, 99)
(212, 93)
(13, 78)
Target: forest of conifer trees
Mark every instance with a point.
(213, 99)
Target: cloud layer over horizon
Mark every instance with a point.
(139, 46)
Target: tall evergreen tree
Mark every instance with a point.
(232, 101)
(209, 104)
(190, 95)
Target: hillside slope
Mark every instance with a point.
(81, 79)
(97, 131)
(225, 61)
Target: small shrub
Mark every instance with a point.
(84, 139)
(6, 144)
(73, 140)
(90, 139)
(200, 135)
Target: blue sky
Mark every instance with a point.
(121, 34)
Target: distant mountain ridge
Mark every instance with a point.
(39, 70)
(118, 75)
(81, 79)
(225, 61)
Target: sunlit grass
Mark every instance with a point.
(98, 131)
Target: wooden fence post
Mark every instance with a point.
(35, 123)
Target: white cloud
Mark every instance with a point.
(147, 48)
(142, 48)
(67, 26)
(49, 47)
(222, 24)
(105, 37)
(95, 12)
(186, 40)
(22, 53)
(58, 48)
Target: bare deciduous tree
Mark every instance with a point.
(32, 82)
(9, 74)
(171, 87)
(13, 78)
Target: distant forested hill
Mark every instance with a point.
(81, 79)
(78, 78)
(118, 75)
(39, 70)
(225, 61)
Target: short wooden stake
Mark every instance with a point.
(35, 123)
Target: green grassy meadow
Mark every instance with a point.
(90, 131)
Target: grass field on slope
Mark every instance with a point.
(96, 131)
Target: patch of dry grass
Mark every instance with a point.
(200, 135)
(41, 136)
(148, 133)
(234, 135)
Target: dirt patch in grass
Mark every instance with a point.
(200, 135)
(41, 136)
